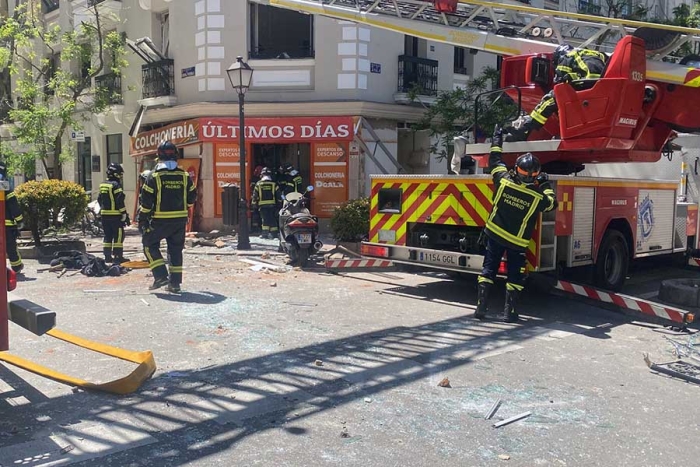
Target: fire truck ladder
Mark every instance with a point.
(511, 28)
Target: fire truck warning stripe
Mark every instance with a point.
(631, 303)
(357, 263)
(385, 222)
(418, 205)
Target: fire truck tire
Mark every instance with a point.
(682, 292)
(612, 262)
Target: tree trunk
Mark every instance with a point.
(56, 155)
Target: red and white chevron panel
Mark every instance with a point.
(360, 263)
(625, 301)
(694, 262)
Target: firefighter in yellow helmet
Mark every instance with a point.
(166, 196)
(519, 197)
(570, 64)
(266, 195)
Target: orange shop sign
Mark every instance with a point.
(278, 130)
(227, 168)
(185, 132)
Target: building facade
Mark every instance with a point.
(318, 83)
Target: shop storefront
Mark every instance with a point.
(317, 147)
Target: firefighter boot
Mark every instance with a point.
(509, 314)
(521, 128)
(482, 300)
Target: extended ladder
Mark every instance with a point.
(509, 28)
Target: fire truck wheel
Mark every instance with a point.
(612, 262)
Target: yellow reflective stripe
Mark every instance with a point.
(145, 210)
(117, 245)
(511, 286)
(118, 190)
(522, 189)
(160, 191)
(147, 252)
(550, 197)
(507, 236)
(156, 264)
(16, 263)
(538, 117)
(120, 236)
(176, 268)
(484, 279)
(523, 226)
(192, 187)
(148, 189)
(496, 149)
(110, 212)
(498, 169)
(170, 214)
(185, 176)
(19, 218)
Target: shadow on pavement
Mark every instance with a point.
(233, 401)
(202, 298)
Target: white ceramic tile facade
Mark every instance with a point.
(210, 24)
(355, 41)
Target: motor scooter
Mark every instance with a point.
(298, 228)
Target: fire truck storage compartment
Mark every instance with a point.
(457, 238)
(655, 222)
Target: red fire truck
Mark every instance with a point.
(628, 116)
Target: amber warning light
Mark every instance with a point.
(373, 250)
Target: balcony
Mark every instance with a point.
(108, 87)
(158, 80)
(417, 77)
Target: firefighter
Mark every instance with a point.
(255, 221)
(165, 198)
(13, 224)
(570, 64)
(519, 196)
(265, 198)
(113, 212)
(292, 181)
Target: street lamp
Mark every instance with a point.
(241, 75)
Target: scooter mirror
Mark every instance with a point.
(310, 188)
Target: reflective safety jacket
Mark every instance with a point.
(13, 213)
(265, 193)
(111, 199)
(580, 64)
(167, 195)
(293, 184)
(515, 206)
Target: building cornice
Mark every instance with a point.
(373, 110)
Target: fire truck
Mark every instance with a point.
(645, 96)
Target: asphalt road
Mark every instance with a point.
(304, 368)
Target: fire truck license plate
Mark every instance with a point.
(437, 258)
(304, 238)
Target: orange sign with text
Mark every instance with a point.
(330, 177)
(227, 170)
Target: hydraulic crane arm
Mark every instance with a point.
(509, 28)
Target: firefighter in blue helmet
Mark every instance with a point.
(266, 195)
(166, 196)
(519, 197)
(13, 224)
(113, 212)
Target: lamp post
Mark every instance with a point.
(241, 75)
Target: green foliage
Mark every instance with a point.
(350, 222)
(51, 204)
(454, 111)
(53, 70)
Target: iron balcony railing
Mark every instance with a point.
(158, 79)
(419, 75)
(109, 87)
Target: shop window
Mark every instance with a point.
(390, 200)
(280, 34)
(114, 149)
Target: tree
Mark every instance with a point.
(52, 97)
(454, 112)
